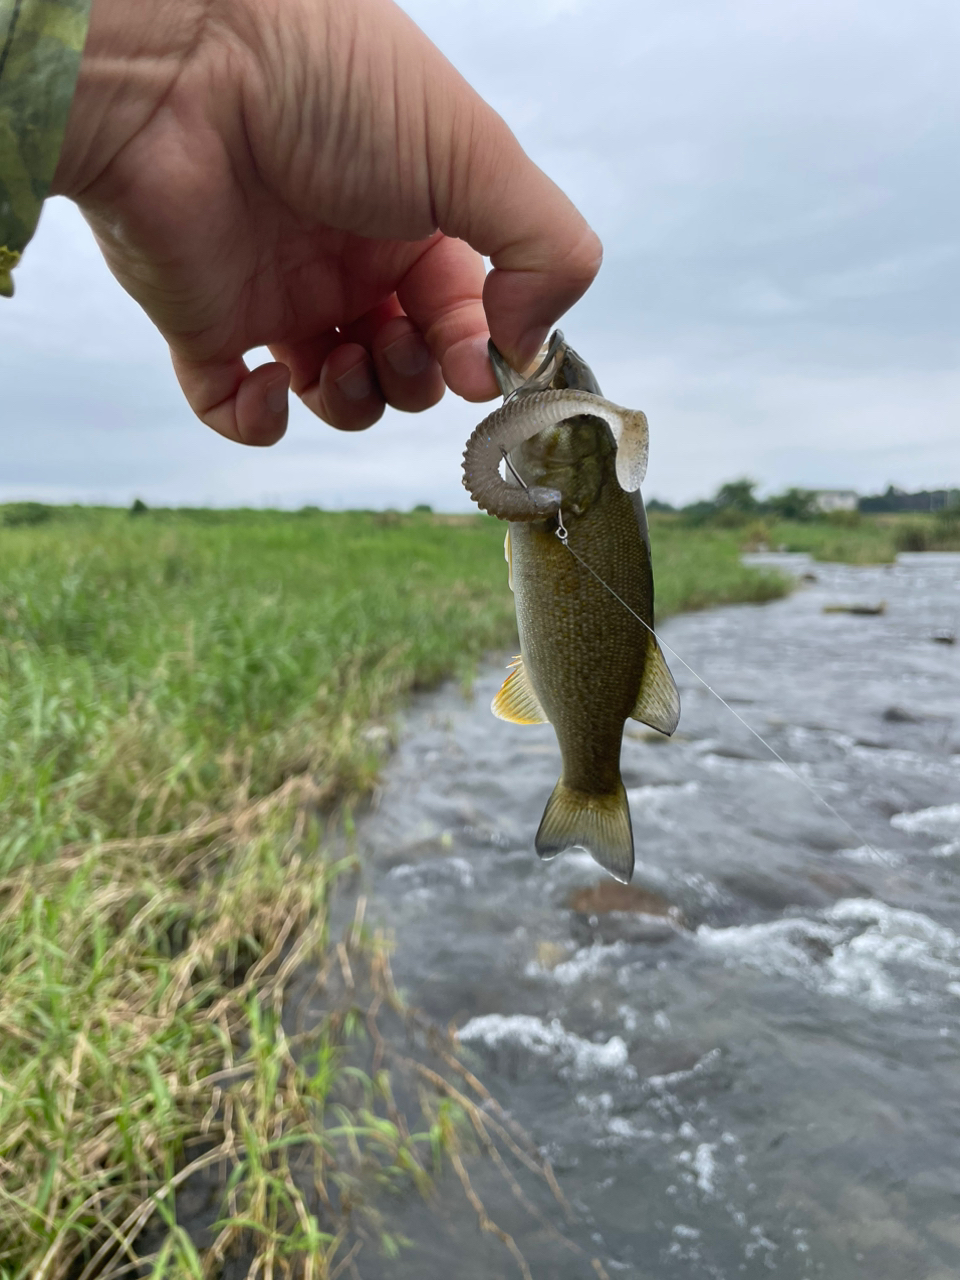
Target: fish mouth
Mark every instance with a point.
(538, 376)
(561, 386)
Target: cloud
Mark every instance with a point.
(777, 190)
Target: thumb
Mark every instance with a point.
(487, 191)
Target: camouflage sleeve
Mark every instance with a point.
(40, 46)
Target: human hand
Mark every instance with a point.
(313, 176)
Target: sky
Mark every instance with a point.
(778, 192)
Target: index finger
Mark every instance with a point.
(442, 293)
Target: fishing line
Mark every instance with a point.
(510, 467)
(564, 536)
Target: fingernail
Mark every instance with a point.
(408, 355)
(356, 383)
(275, 394)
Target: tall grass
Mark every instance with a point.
(186, 700)
(851, 538)
(697, 568)
(150, 667)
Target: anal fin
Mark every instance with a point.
(517, 701)
(659, 702)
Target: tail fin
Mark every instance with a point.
(599, 824)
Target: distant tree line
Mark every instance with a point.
(736, 502)
(923, 500)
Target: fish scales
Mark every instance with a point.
(583, 652)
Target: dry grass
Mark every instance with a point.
(198, 1062)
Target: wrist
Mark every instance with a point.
(133, 54)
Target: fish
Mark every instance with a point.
(577, 539)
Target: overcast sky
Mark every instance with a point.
(778, 192)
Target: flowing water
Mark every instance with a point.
(752, 1065)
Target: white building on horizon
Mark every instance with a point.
(836, 499)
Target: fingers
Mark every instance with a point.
(442, 293)
(346, 394)
(409, 376)
(347, 376)
(249, 408)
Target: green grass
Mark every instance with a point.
(867, 540)
(851, 538)
(152, 667)
(187, 700)
(698, 568)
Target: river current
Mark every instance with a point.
(751, 1065)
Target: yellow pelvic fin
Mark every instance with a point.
(599, 824)
(516, 700)
(508, 556)
(659, 702)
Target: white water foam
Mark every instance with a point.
(867, 855)
(585, 963)
(941, 820)
(904, 761)
(705, 1167)
(665, 1083)
(687, 1233)
(651, 800)
(859, 949)
(578, 1057)
(424, 875)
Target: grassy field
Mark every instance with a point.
(855, 539)
(188, 700)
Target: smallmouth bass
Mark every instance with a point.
(586, 664)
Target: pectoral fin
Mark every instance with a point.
(516, 700)
(508, 556)
(599, 824)
(659, 702)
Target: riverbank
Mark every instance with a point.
(188, 701)
(847, 537)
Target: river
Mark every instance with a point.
(753, 1069)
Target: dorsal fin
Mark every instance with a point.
(659, 702)
(516, 700)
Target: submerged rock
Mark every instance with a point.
(861, 610)
(609, 895)
(900, 715)
(611, 912)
